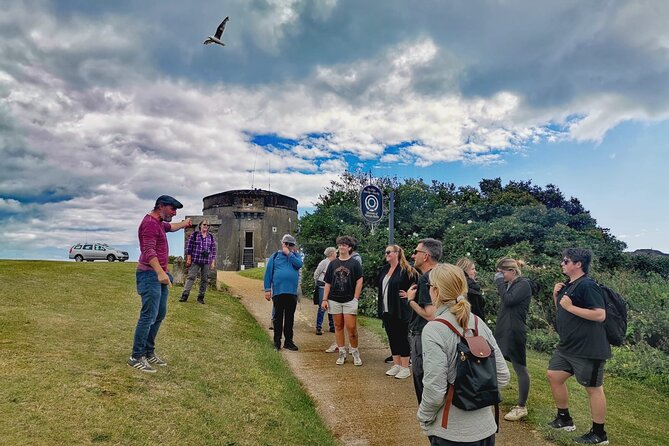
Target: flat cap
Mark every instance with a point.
(288, 239)
(166, 199)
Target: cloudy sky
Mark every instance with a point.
(106, 105)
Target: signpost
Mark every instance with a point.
(371, 204)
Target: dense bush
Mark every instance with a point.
(520, 220)
(643, 363)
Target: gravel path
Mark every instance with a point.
(361, 405)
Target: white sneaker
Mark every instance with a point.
(331, 349)
(516, 413)
(342, 356)
(356, 357)
(404, 372)
(393, 370)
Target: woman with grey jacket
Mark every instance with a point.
(448, 288)
(515, 293)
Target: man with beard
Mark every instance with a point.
(153, 280)
(425, 256)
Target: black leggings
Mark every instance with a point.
(523, 383)
(397, 332)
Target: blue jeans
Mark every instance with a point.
(154, 308)
(321, 311)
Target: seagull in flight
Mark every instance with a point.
(216, 38)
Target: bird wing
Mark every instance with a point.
(221, 28)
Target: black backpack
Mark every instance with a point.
(475, 385)
(615, 323)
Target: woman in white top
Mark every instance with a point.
(395, 276)
(330, 254)
(448, 288)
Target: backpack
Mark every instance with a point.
(615, 323)
(475, 385)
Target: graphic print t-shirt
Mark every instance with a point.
(342, 276)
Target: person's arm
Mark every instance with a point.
(190, 249)
(162, 275)
(503, 374)
(517, 293)
(591, 314)
(213, 252)
(426, 312)
(267, 283)
(319, 269)
(295, 259)
(358, 289)
(326, 296)
(182, 224)
(556, 289)
(435, 375)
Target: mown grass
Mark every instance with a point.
(254, 273)
(636, 413)
(66, 331)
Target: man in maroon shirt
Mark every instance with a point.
(153, 280)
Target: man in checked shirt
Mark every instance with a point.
(200, 258)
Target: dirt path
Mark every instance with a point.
(361, 405)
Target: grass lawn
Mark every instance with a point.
(254, 273)
(66, 331)
(636, 413)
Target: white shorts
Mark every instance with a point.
(350, 307)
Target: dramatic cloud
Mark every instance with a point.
(104, 108)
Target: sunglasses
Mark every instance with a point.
(204, 224)
(289, 244)
(389, 252)
(416, 251)
(567, 261)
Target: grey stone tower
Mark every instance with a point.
(248, 225)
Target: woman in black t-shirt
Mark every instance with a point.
(343, 285)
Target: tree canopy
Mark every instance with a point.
(519, 219)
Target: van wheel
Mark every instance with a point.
(111, 257)
(78, 258)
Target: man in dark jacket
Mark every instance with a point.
(583, 348)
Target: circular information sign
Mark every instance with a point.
(371, 203)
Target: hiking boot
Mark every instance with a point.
(319, 331)
(277, 346)
(154, 360)
(592, 438)
(183, 298)
(292, 347)
(141, 364)
(200, 302)
(332, 330)
(404, 372)
(516, 413)
(356, 357)
(389, 359)
(332, 349)
(342, 356)
(566, 425)
(393, 370)
(200, 299)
